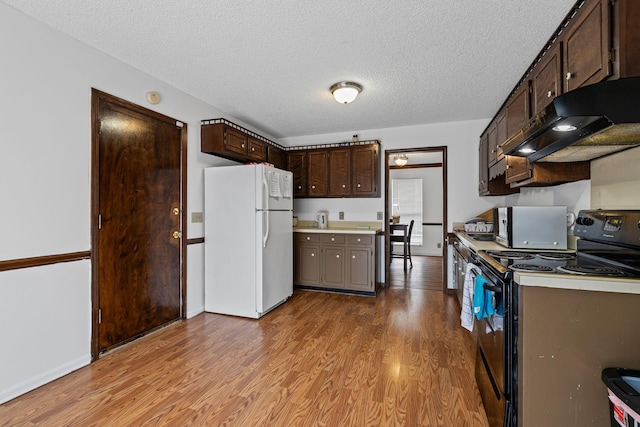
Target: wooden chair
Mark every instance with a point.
(406, 243)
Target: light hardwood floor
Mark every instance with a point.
(400, 359)
(426, 273)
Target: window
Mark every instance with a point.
(406, 201)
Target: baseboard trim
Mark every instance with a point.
(46, 377)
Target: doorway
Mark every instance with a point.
(425, 170)
(138, 198)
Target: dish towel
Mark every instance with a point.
(466, 315)
(482, 299)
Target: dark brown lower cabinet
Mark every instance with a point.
(344, 261)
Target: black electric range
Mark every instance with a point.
(608, 247)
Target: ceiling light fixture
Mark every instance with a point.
(400, 160)
(345, 92)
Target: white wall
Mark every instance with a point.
(461, 139)
(45, 141)
(615, 181)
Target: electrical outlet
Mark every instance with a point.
(380, 216)
(196, 216)
(340, 215)
(439, 245)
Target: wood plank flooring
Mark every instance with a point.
(400, 359)
(425, 274)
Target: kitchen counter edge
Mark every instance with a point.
(336, 230)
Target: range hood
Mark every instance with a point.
(583, 124)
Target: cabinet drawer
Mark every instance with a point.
(257, 149)
(308, 238)
(333, 238)
(235, 141)
(359, 239)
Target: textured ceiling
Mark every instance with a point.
(270, 63)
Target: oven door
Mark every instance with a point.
(490, 359)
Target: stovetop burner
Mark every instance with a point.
(531, 268)
(510, 255)
(556, 256)
(590, 270)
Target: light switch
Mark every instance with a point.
(340, 215)
(196, 216)
(379, 216)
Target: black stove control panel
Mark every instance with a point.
(614, 226)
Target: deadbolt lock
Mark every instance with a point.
(177, 234)
(176, 211)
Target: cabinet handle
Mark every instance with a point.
(568, 77)
(493, 151)
(358, 185)
(344, 186)
(242, 145)
(353, 256)
(299, 187)
(550, 94)
(253, 149)
(358, 240)
(508, 166)
(313, 187)
(312, 254)
(308, 238)
(333, 239)
(337, 256)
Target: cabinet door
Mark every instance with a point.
(235, 141)
(546, 81)
(518, 169)
(333, 266)
(360, 268)
(501, 132)
(318, 173)
(492, 144)
(277, 157)
(307, 265)
(297, 163)
(257, 150)
(340, 172)
(365, 170)
(587, 41)
(483, 167)
(517, 110)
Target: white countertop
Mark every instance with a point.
(579, 283)
(559, 281)
(336, 230)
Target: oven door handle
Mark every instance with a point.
(496, 289)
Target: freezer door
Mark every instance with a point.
(274, 259)
(274, 188)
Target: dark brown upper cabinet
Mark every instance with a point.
(483, 178)
(318, 173)
(546, 79)
(517, 110)
(297, 164)
(587, 44)
(340, 172)
(230, 141)
(365, 170)
(492, 144)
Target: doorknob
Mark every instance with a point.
(177, 234)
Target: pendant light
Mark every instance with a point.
(400, 160)
(345, 92)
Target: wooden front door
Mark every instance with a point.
(138, 200)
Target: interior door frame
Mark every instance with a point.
(98, 98)
(387, 211)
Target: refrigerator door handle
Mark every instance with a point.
(266, 195)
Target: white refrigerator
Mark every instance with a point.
(248, 239)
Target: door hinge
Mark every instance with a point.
(612, 55)
(99, 316)
(612, 2)
(179, 124)
(99, 221)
